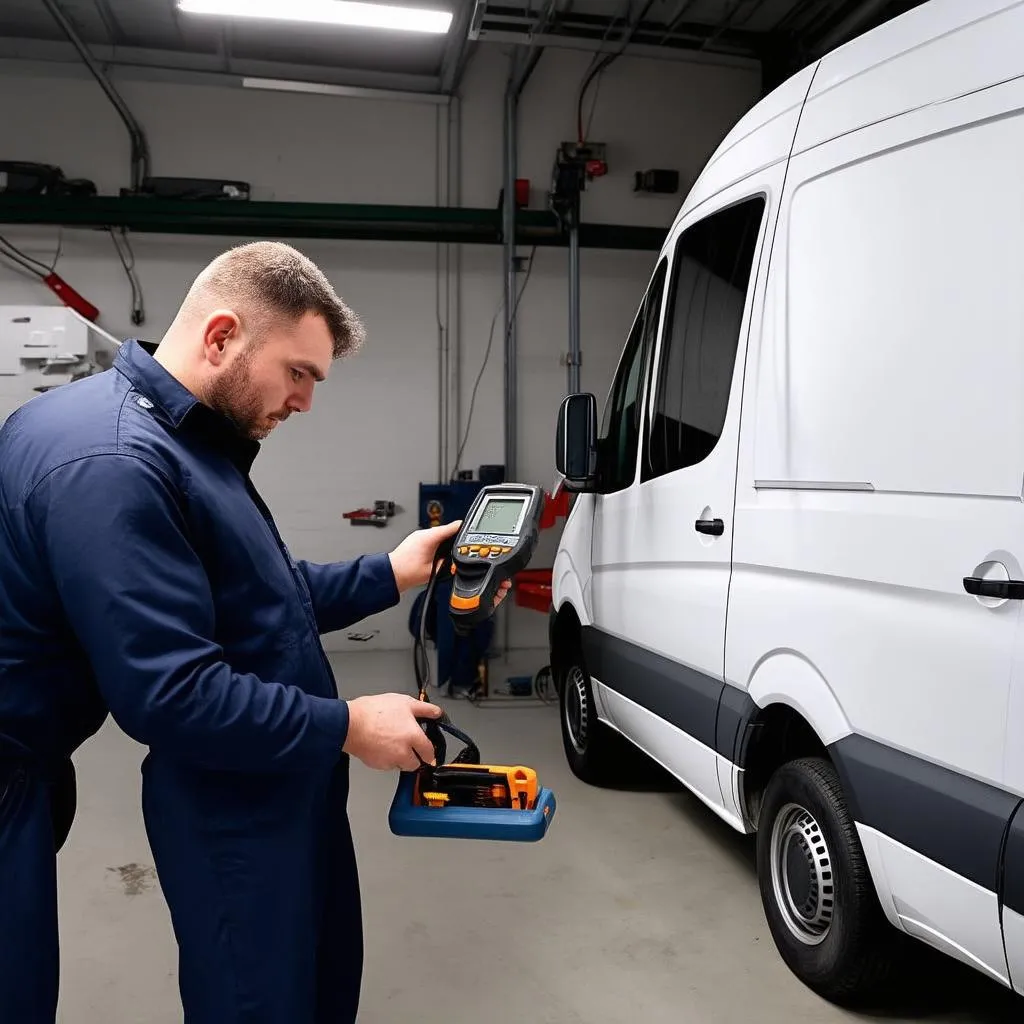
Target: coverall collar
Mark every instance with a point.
(179, 406)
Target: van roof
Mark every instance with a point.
(941, 49)
(937, 51)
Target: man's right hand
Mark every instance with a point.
(384, 731)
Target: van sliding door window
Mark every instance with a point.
(710, 275)
(620, 433)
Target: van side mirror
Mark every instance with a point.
(576, 442)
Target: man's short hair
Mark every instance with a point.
(273, 279)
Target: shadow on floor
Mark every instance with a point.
(936, 987)
(931, 985)
(649, 777)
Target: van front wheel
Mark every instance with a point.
(590, 745)
(818, 897)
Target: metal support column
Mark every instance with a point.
(520, 70)
(574, 355)
(509, 251)
(508, 232)
(509, 237)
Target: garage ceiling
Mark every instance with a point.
(153, 34)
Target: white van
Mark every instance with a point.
(794, 569)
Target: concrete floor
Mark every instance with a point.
(638, 906)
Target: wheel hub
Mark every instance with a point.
(577, 709)
(802, 874)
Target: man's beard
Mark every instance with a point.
(233, 396)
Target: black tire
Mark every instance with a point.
(594, 750)
(822, 888)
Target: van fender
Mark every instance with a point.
(569, 591)
(571, 570)
(567, 588)
(787, 677)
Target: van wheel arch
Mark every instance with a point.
(791, 784)
(777, 734)
(566, 637)
(596, 753)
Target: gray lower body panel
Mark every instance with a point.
(947, 817)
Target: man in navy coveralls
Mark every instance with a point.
(141, 573)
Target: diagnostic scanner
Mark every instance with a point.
(463, 798)
(496, 540)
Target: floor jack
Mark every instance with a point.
(464, 799)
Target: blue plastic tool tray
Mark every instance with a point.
(406, 819)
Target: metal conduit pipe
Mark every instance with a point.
(140, 148)
(516, 82)
(575, 355)
(575, 348)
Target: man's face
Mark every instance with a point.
(258, 384)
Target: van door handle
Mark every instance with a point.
(1004, 590)
(712, 527)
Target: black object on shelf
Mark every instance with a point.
(662, 182)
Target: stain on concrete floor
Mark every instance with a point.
(135, 878)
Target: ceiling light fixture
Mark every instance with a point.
(352, 91)
(327, 12)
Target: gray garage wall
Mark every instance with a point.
(373, 429)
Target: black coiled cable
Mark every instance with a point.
(435, 728)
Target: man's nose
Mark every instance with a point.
(300, 401)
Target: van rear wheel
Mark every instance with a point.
(817, 893)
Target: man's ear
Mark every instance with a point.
(220, 329)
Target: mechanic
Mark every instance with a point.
(142, 574)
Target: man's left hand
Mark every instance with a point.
(412, 560)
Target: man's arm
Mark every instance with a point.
(345, 592)
(112, 534)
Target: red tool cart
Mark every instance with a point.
(532, 587)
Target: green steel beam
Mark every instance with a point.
(315, 220)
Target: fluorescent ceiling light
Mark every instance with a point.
(356, 91)
(327, 12)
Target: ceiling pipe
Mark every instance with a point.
(676, 19)
(791, 19)
(850, 26)
(818, 20)
(536, 48)
(140, 148)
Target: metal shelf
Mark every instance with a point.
(316, 220)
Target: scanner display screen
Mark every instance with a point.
(499, 515)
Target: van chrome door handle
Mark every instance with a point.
(1005, 590)
(712, 527)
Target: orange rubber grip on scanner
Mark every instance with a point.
(465, 604)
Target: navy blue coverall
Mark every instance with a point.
(141, 572)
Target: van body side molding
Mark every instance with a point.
(680, 695)
(1012, 895)
(949, 818)
(703, 707)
